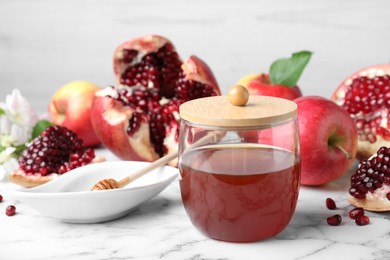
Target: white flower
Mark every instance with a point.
(17, 120)
(6, 154)
(19, 110)
(20, 134)
(5, 124)
(8, 163)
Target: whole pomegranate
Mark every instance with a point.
(138, 119)
(366, 96)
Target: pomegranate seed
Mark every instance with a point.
(388, 196)
(1, 198)
(354, 213)
(334, 220)
(362, 220)
(330, 204)
(10, 210)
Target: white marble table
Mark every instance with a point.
(160, 229)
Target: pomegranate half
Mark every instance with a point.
(366, 96)
(138, 119)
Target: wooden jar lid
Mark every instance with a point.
(217, 111)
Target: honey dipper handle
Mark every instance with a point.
(166, 159)
(139, 173)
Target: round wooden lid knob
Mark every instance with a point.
(238, 95)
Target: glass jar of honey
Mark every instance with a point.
(239, 165)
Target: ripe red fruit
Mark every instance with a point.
(281, 80)
(370, 184)
(327, 130)
(334, 220)
(365, 95)
(138, 120)
(362, 220)
(354, 213)
(70, 106)
(330, 204)
(56, 151)
(1, 198)
(10, 210)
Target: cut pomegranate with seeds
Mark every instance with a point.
(330, 204)
(138, 119)
(10, 210)
(354, 213)
(366, 96)
(362, 220)
(370, 185)
(56, 151)
(334, 220)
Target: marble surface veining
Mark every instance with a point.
(160, 229)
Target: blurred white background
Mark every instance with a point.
(45, 44)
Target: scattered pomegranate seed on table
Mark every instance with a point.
(330, 204)
(10, 210)
(1, 198)
(354, 213)
(362, 220)
(334, 220)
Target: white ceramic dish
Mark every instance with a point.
(69, 199)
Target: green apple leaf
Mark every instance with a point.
(287, 71)
(39, 127)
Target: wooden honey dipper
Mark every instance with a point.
(108, 184)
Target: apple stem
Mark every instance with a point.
(345, 152)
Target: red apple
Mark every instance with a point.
(281, 80)
(328, 138)
(70, 106)
(260, 84)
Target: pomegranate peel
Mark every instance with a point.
(197, 70)
(116, 117)
(370, 205)
(140, 46)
